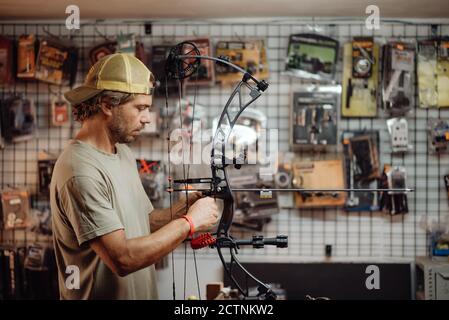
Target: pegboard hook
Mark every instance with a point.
(47, 32)
(239, 38)
(434, 31)
(100, 33)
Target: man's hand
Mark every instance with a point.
(160, 217)
(193, 197)
(181, 205)
(204, 214)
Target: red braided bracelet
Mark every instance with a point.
(192, 228)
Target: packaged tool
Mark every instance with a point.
(244, 54)
(206, 72)
(6, 61)
(315, 175)
(126, 43)
(159, 55)
(443, 73)
(362, 168)
(14, 210)
(394, 202)
(60, 111)
(26, 57)
(101, 50)
(398, 129)
(360, 78)
(311, 56)
(45, 164)
(253, 209)
(314, 117)
(18, 117)
(56, 63)
(437, 135)
(427, 78)
(398, 78)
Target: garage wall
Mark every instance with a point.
(354, 236)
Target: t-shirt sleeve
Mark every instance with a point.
(89, 208)
(149, 206)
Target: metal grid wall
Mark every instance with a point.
(354, 235)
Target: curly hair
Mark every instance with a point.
(91, 107)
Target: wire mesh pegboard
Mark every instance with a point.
(352, 234)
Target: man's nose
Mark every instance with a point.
(146, 117)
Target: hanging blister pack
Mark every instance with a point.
(37, 257)
(60, 111)
(264, 70)
(398, 78)
(398, 129)
(205, 75)
(314, 118)
(311, 56)
(362, 169)
(126, 43)
(433, 73)
(40, 220)
(141, 53)
(438, 135)
(443, 73)
(6, 61)
(427, 78)
(394, 202)
(159, 54)
(45, 170)
(26, 57)
(18, 116)
(253, 209)
(319, 174)
(14, 209)
(245, 54)
(101, 50)
(283, 179)
(56, 62)
(360, 78)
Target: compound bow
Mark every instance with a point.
(182, 62)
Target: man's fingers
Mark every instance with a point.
(198, 194)
(194, 196)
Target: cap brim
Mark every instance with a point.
(81, 94)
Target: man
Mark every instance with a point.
(101, 214)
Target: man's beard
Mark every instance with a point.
(118, 130)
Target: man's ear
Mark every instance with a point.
(106, 108)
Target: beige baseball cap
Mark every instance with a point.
(117, 72)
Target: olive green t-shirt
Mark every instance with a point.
(93, 193)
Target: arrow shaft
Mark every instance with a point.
(307, 190)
